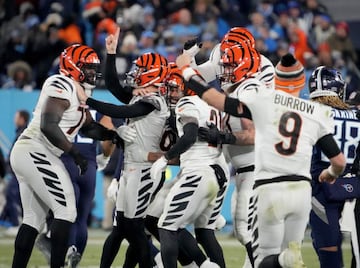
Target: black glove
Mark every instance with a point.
(214, 136)
(117, 140)
(79, 160)
(192, 42)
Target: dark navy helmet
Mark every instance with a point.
(326, 81)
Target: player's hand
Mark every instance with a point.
(127, 133)
(158, 168)
(210, 135)
(102, 161)
(142, 91)
(183, 60)
(192, 47)
(112, 190)
(111, 42)
(79, 160)
(326, 177)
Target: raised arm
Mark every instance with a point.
(122, 93)
(207, 93)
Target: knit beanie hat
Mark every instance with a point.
(289, 74)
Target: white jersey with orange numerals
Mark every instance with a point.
(62, 87)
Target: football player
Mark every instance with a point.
(200, 187)
(146, 114)
(35, 158)
(286, 129)
(211, 69)
(241, 158)
(327, 86)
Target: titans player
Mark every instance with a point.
(327, 86)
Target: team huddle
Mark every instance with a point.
(252, 125)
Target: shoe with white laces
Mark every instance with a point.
(73, 257)
(43, 244)
(291, 256)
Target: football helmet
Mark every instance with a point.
(150, 69)
(237, 36)
(326, 81)
(239, 62)
(81, 63)
(174, 85)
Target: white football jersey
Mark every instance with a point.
(200, 153)
(62, 87)
(150, 127)
(210, 69)
(286, 128)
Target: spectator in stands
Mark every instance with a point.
(298, 42)
(322, 30)
(146, 42)
(184, 28)
(340, 41)
(19, 76)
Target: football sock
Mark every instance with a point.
(207, 239)
(24, 244)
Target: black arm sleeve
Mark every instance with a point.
(123, 94)
(231, 107)
(329, 146)
(185, 142)
(121, 111)
(97, 131)
(50, 127)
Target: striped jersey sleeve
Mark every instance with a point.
(59, 86)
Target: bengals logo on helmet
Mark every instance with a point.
(237, 36)
(152, 69)
(74, 61)
(239, 62)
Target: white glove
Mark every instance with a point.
(112, 190)
(157, 168)
(102, 161)
(192, 47)
(127, 133)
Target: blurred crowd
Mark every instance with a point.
(33, 33)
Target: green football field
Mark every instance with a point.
(233, 251)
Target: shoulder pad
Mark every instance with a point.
(152, 99)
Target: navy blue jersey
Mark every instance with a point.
(347, 136)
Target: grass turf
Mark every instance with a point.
(233, 251)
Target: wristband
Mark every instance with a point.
(197, 84)
(331, 172)
(187, 72)
(231, 106)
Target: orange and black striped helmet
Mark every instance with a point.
(237, 36)
(75, 62)
(152, 69)
(239, 62)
